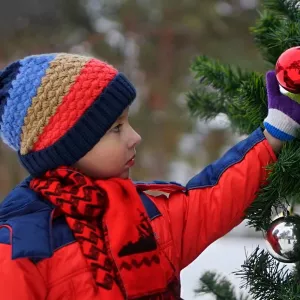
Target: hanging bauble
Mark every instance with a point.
(283, 239)
(288, 73)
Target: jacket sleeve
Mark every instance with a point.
(216, 199)
(19, 279)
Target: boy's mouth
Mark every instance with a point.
(131, 161)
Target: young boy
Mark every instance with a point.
(78, 227)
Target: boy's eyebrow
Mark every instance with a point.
(122, 117)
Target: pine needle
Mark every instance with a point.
(212, 283)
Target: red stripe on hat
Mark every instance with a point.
(93, 78)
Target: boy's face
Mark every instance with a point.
(114, 154)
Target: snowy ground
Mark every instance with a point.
(224, 256)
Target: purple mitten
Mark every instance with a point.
(283, 120)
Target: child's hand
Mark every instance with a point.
(274, 143)
(283, 120)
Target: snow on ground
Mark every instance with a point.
(224, 256)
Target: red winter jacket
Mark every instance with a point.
(40, 260)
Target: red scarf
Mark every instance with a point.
(111, 225)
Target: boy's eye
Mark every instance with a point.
(117, 128)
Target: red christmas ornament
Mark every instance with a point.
(288, 70)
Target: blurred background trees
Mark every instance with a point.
(153, 42)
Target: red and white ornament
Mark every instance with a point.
(288, 73)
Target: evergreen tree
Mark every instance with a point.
(241, 95)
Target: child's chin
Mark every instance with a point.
(125, 174)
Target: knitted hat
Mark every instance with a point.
(55, 107)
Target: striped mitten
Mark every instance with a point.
(283, 120)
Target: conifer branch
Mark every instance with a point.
(274, 35)
(212, 283)
(223, 78)
(288, 9)
(265, 279)
(205, 104)
(242, 97)
(248, 108)
(224, 89)
(283, 185)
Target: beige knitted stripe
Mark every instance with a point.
(60, 76)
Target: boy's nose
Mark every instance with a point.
(135, 139)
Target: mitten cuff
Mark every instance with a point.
(280, 125)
